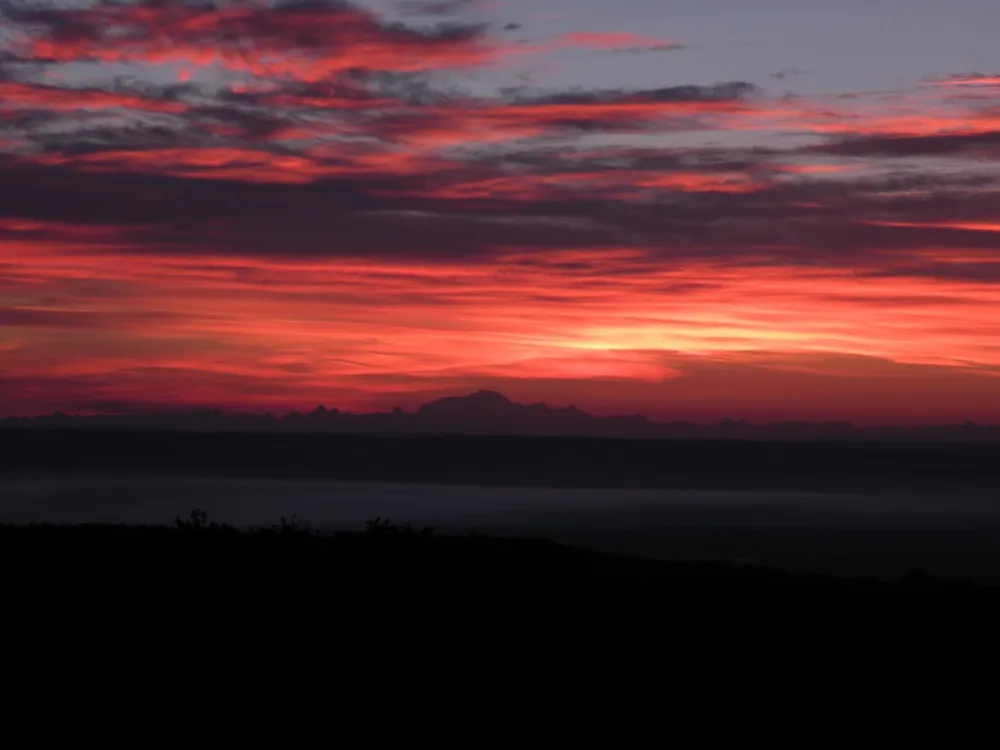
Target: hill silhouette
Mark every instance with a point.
(487, 412)
(395, 602)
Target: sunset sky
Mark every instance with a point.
(690, 209)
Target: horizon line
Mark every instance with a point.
(204, 411)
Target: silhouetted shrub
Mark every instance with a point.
(382, 527)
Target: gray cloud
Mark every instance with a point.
(964, 144)
(731, 91)
(432, 7)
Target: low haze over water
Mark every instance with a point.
(879, 533)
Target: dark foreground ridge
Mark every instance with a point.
(395, 602)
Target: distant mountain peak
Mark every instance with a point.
(480, 405)
(483, 395)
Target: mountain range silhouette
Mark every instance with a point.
(486, 412)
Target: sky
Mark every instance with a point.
(760, 209)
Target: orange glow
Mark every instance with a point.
(349, 332)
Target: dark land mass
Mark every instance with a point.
(523, 461)
(491, 413)
(394, 603)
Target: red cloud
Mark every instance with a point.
(973, 80)
(246, 165)
(966, 226)
(491, 121)
(620, 183)
(14, 96)
(306, 41)
(603, 40)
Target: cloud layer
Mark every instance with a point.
(265, 205)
